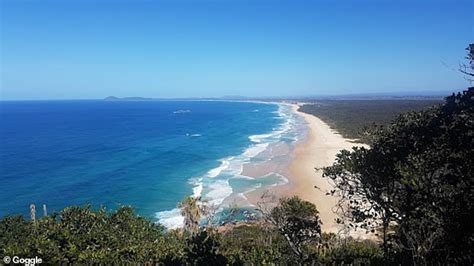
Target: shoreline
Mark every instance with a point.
(317, 150)
(261, 164)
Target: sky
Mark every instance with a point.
(86, 49)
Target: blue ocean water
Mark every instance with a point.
(139, 153)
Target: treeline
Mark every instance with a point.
(351, 118)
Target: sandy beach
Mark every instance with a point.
(319, 149)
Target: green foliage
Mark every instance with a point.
(84, 235)
(202, 248)
(415, 182)
(468, 69)
(256, 244)
(13, 231)
(298, 222)
(263, 244)
(192, 212)
(334, 250)
(81, 234)
(352, 117)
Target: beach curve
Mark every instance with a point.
(318, 150)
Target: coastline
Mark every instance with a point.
(269, 159)
(318, 149)
(263, 163)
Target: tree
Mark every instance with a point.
(415, 181)
(297, 221)
(14, 234)
(202, 248)
(465, 68)
(192, 211)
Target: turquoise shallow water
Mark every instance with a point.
(142, 153)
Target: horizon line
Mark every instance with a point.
(402, 94)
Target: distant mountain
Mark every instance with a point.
(111, 98)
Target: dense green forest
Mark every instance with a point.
(352, 117)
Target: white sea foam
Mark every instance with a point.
(197, 190)
(277, 133)
(193, 135)
(214, 186)
(244, 177)
(170, 219)
(259, 138)
(254, 150)
(216, 171)
(283, 179)
(236, 165)
(219, 190)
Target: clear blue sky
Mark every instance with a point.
(91, 49)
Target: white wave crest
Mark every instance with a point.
(254, 150)
(219, 191)
(214, 186)
(197, 190)
(170, 219)
(259, 138)
(224, 165)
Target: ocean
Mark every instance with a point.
(147, 154)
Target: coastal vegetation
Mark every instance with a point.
(352, 117)
(415, 183)
(84, 235)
